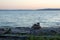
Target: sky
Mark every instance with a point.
(29, 4)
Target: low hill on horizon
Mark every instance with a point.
(49, 9)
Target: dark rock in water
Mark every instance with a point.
(36, 26)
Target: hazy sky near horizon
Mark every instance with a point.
(29, 4)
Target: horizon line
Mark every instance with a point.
(29, 9)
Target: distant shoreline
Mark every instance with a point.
(32, 10)
(48, 9)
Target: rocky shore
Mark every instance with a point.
(23, 33)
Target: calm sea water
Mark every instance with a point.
(28, 18)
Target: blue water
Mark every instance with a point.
(28, 18)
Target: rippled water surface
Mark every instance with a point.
(28, 18)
